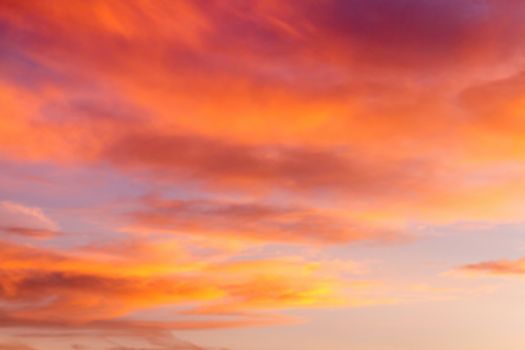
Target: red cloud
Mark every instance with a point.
(253, 221)
(246, 166)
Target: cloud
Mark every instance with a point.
(163, 341)
(84, 289)
(237, 165)
(13, 214)
(15, 346)
(297, 123)
(146, 340)
(191, 104)
(19, 220)
(252, 221)
(27, 232)
(409, 34)
(495, 106)
(317, 85)
(497, 267)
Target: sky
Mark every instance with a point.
(262, 174)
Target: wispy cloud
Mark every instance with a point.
(496, 267)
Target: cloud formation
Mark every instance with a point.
(97, 289)
(347, 108)
(497, 267)
(19, 220)
(253, 221)
(216, 157)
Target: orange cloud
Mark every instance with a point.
(89, 289)
(156, 101)
(15, 346)
(498, 267)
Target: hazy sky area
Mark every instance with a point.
(262, 174)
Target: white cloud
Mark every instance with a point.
(17, 215)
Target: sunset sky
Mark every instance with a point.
(262, 174)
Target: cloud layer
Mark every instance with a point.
(214, 158)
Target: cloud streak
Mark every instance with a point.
(497, 268)
(253, 221)
(98, 290)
